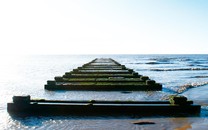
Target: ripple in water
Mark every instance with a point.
(185, 87)
(178, 69)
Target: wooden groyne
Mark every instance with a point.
(24, 106)
(107, 75)
(103, 74)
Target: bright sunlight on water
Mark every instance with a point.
(179, 74)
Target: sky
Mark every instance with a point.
(103, 27)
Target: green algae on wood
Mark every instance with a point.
(103, 74)
(29, 107)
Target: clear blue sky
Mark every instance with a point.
(103, 26)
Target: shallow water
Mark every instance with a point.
(179, 74)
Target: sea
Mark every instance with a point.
(185, 75)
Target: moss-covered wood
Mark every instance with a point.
(100, 87)
(110, 79)
(103, 74)
(24, 106)
(98, 75)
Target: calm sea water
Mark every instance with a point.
(179, 74)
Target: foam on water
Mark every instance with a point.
(185, 87)
(179, 69)
(185, 74)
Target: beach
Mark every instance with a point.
(179, 74)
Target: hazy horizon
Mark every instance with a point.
(103, 27)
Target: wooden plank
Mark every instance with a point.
(106, 66)
(103, 64)
(103, 101)
(107, 71)
(101, 75)
(111, 79)
(98, 75)
(103, 68)
(100, 109)
(23, 105)
(104, 87)
(101, 72)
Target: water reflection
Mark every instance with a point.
(28, 74)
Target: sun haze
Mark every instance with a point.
(103, 27)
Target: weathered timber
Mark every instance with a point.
(83, 75)
(104, 87)
(103, 74)
(100, 68)
(23, 105)
(110, 79)
(106, 75)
